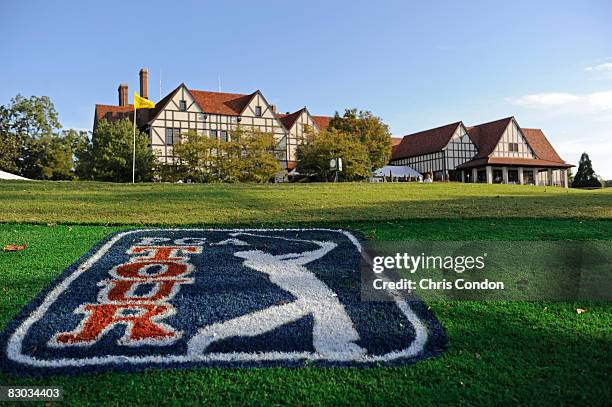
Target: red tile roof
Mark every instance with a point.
(230, 104)
(396, 140)
(540, 145)
(111, 113)
(424, 142)
(288, 120)
(322, 121)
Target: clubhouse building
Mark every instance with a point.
(214, 114)
(498, 152)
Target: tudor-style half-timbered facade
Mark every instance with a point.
(495, 152)
(438, 151)
(214, 114)
(298, 124)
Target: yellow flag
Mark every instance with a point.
(142, 103)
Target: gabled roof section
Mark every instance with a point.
(424, 142)
(541, 146)
(229, 104)
(161, 105)
(322, 121)
(486, 136)
(288, 120)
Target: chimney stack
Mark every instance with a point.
(123, 94)
(144, 83)
(273, 107)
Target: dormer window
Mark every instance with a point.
(182, 105)
(258, 111)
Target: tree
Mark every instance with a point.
(28, 127)
(255, 158)
(317, 151)
(196, 156)
(585, 176)
(9, 152)
(108, 156)
(369, 130)
(246, 157)
(51, 158)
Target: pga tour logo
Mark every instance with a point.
(236, 298)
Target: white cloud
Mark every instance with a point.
(567, 103)
(605, 67)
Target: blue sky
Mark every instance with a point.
(416, 65)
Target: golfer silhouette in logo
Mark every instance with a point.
(333, 332)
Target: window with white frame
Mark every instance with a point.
(258, 112)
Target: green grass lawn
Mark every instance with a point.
(181, 204)
(525, 353)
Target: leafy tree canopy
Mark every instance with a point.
(315, 154)
(108, 156)
(247, 157)
(369, 130)
(30, 142)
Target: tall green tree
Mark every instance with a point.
(315, 154)
(369, 130)
(108, 156)
(31, 142)
(585, 175)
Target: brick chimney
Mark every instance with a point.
(144, 83)
(123, 94)
(273, 107)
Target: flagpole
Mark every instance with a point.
(134, 148)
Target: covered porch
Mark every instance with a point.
(508, 174)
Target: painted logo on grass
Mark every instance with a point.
(237, 298)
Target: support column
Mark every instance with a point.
(549, 174)
(520, 176)
(462, 176)
(535, 176)
(474, 175)
(505, 175)
(489, 171)
(564, 177)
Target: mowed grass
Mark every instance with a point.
(525, 353)
(181, 204)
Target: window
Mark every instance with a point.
(213, 134)
(182, 105)
(258, 111)
(224, 135)
(172, 135)
(513, 147)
